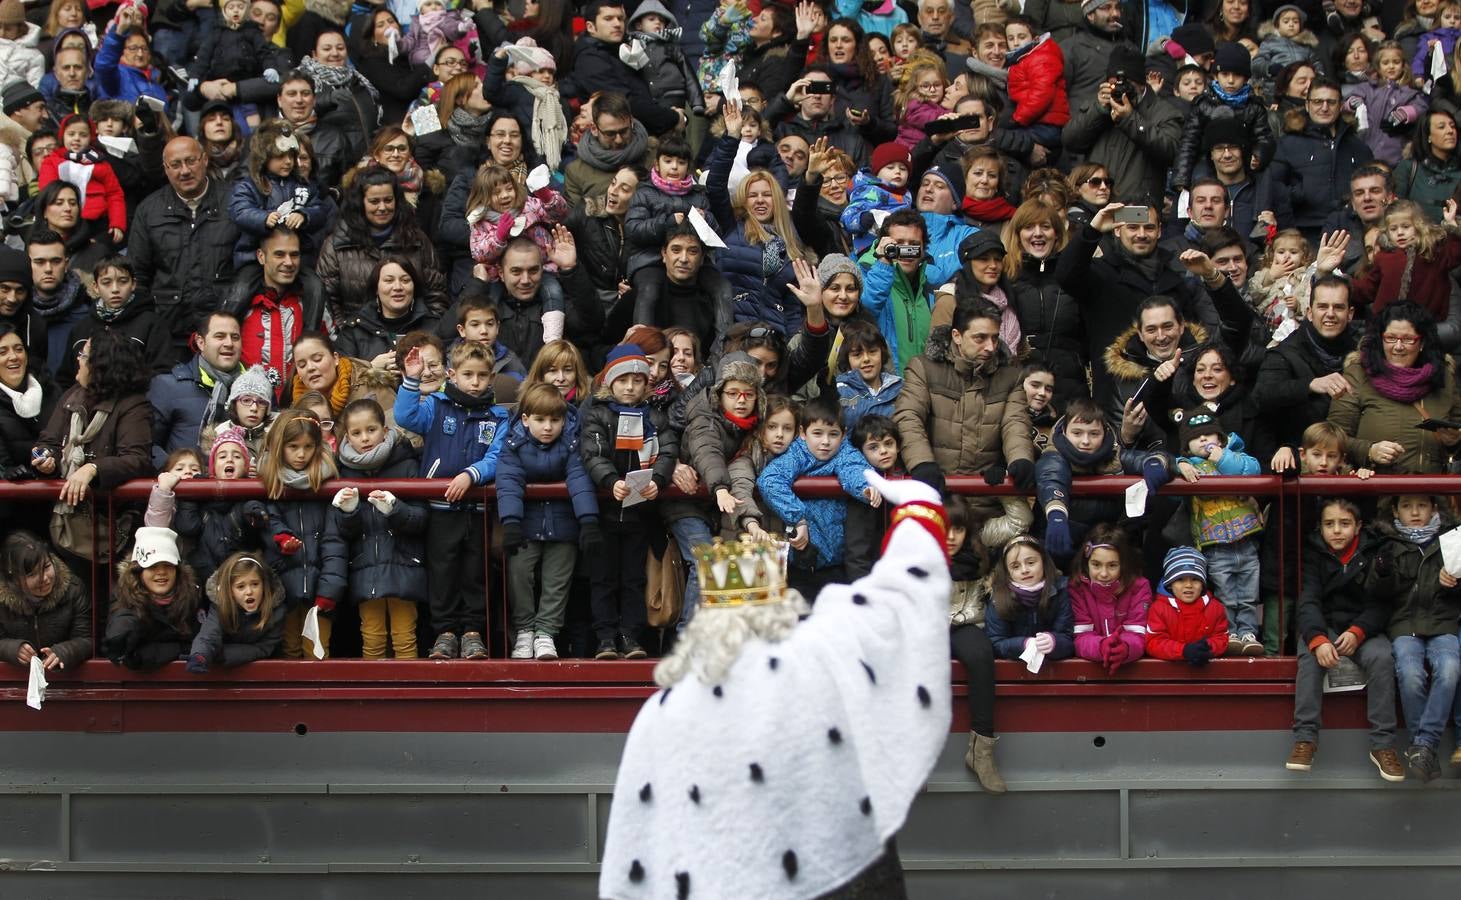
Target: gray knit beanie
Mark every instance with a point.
(253, 383)
(834, 264)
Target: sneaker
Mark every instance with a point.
(1388, 762)
(1422, 761)
(472, 646)
(607, 650)
(1235, 646)
(445, 646)
(632, 650)
(523, 649)
(1251, 645)
(544, 646)
(1301, 758)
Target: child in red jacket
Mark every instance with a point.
(1036, 82)
(78, 161)
(1109, 599)
(1185, 621)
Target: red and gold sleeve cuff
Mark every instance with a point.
(929, 516)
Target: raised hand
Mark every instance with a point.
(565, 251)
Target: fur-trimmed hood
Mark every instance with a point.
(337, 11)
(1126, 357)
(939, 348)
(432, 180)
(11, 599)
(1306, 37)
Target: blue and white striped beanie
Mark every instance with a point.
(1182, 561)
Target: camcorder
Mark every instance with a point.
(902, 251)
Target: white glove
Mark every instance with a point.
(271, 76)
(519, 223)
(346, 500)
(904, 490)
(538, 178)
(476, 214)
(383, 501)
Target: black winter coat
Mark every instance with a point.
(1206, 109)
(1050, 320)
(772, 66)
(347, 261)
(387, 553)
(652, 306)
(244, 644)
(1303, 186)
(236, 54)
(62, 621)
(1281, 390)
(138, 320)
(1336, 595)
(318, 569)
(145, 641)
(398, 83)
(184, 261)
(1422, 607)
(220, 530)
(606, 465)
(650, 217)
(367, 334)
(602, 250)
(597, 67)
(522, 323)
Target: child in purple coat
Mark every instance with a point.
(1109, 600)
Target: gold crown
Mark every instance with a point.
(742, 573)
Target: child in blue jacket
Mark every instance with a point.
(866, 385)
(462, 431)
(815, 527)
(1028, 604)
(539, 451)
(881, 187)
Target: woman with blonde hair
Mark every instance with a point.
(761, 242)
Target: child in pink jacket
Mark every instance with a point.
(1109, 600)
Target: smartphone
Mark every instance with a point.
(1141, 391)
(959, 123)
(1132, 215)
(1436, 424)
(819, 87)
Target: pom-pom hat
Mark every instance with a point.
(625, 359)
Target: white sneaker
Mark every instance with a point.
(544, 648)
(523, 649)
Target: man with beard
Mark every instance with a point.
(297, 107)
(181, 239)
(57, 295)
(1303, 373)
(1126, 126)
(816, 116)
(195, 393)
(1112, 288)
(1088, 48)
(616, 140)
(1370, 191)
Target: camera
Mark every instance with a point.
(819, 87)
(902, 251)
(1123, 90)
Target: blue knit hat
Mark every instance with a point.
(1180, 562)
(625, 359)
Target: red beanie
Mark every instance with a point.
(890, 152)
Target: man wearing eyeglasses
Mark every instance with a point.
(181, 239)
(1314, 161)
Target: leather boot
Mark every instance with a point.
(980, 760)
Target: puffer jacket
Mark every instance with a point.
(319, 568)
(245, 643)
(1009, 636)
(1127, 365)
(1367, 416)
(1037, 84)
(1336, 595)
(868, 194)
(605, 464)
(121, 451)
(1307, 164)
(964, 418)
(146, 641)
(1061, 462)
(1172, 625)
(1050, 320)
(387, 552)
(1379, 100)
(249, 208)
(20, 60)
(650, 217)
(1276, 51)
(219, 530)
(525, 461)
(1422, 607)
(858, 400)
(61, 621)
(1099, 612)
(668, 72)
(367, 334)
(346, 263)
(1207, 108)
(236, 54)
(183, 259)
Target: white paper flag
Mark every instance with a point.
(1451, 551)
(707, 234)
(1361, 118)
(35, 692)
(1136, 499)
(311, 631)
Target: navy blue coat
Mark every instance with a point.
(220, 530)
(524, 461)
(318, 569)
(387, 553)
(1009, 637)
(179, 409)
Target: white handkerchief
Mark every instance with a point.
(708, 235)
(730, 85)
(1184, 204)
(637, 480)
(1451, 551)
(1136, 498)
(1361, 118)
(1438, 60)
(35, 692)
(538, 178)
(425, 120)
(311, 631)
(1033, 658)
(392, 48)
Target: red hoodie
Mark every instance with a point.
(1172, 625)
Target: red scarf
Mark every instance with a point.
(1347, 553)
(995, 209)
(746, 424)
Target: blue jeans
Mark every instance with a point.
(688, 532)
(1427, 699)
(1232, 576)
